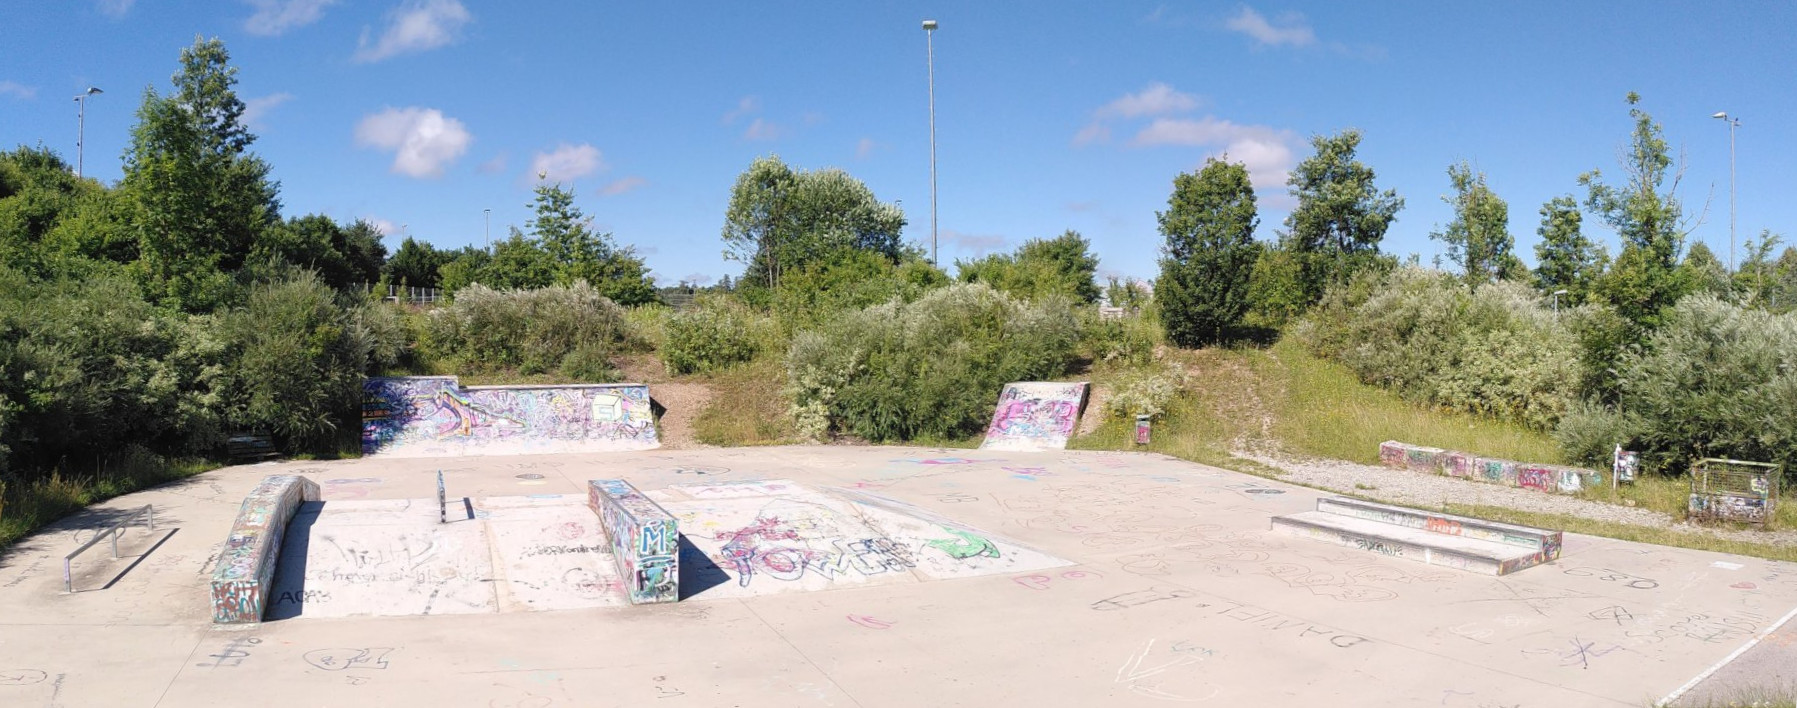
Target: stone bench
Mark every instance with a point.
(1462, 542)
(246, 564)
(645, 540)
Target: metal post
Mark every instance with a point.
(929, 31)
(1732, 122)
(442, 501)
(489, 231)
(81, 127)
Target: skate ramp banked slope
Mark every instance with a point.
(435, 416)
(1035, 415)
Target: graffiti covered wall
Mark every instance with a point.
(645, 540)
(1543, 478)
(435, 416)
(1035, 415)
(246, 564)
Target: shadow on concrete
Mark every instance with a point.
(287, 589)
(697, 571)
(139, 558)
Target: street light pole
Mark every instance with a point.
(81, 127)
(1733, 122)
(1557, 294)
(489, 230)
(929, 33)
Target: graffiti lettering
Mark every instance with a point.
(233, 654)
(344, 659)
(1140, 597)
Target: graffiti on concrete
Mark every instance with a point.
(1035, 415)
(645, 540)
(1542, 478)
(246, 564)
(435, 416)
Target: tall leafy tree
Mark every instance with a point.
(201, 199)
(1757, 278)
(1478, 238)
(1341, 216)
(1565, 259)
(780, 220)
(1645, 279)
(577, 252)
(1210, 253)
(415, 264)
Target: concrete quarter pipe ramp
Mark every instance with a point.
(1035, 415)
(435, 416)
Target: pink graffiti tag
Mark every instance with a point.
(870, 622)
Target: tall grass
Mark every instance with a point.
(28, 506)
(747, 406)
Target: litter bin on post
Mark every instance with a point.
(1142, 429)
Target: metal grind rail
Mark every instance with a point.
(68, 580)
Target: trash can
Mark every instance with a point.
(1142, 429)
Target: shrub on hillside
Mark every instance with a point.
(851, 280)
(1146, 392)
(929, 368)
(300, 359)
(1715, 380)
(1127, 341)
(530, 331)
(1491, 351)
(718, 332)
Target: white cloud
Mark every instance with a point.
(744, 106)
(566, 163)
(274, 17)
(865, 147)
(387, 228)
(115, 8)
(416, 26)
(1269, 153)
(621, 185)
(493, 165)
(17, 90)
(763, 129)
(256, 109)
(1291, 29)
(423, 140)
(1158, 99)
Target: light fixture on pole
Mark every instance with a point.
(1557, 294)
(929, 32)
(1733, 122)
(81, 126)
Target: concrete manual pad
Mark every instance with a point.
(1174, 591)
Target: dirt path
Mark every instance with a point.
(681, 401)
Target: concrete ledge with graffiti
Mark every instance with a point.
(1543, 478)
(1035, 415)
(246, 564)
(435, 416)
(1461, 542)
(645, 540)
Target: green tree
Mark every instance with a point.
(1210, 253)
(1341, 216)
(1783, 297)
(201, 199)
(1757, 278)
(780, 219)
(577, 252)
(1703, 272)
(1478, 238)
(1565, 259)
(416, 264)
(344, 258)
(1645, 279)
(1063, 265)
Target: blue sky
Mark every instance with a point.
(421, 114)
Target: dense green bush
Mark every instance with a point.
(300, 359)
(850, 280)
(931, 368)
(1715, 380)
(1060, 266)
(530, 331)
(1146, 391)
(1491, 351)
(715, 334)
(1127, 341)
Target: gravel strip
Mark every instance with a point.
(1418, 489)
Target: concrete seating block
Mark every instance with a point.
(645, 540)
(246, 564)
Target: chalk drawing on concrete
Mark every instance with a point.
(1035, 415)
(435, 416)
(776, 536)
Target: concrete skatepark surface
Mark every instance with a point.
(1134, 579)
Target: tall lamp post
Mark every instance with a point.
(489, 230)
(81, 126)
(1733, 122)
(929, 33)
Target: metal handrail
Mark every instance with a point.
(68, 580)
